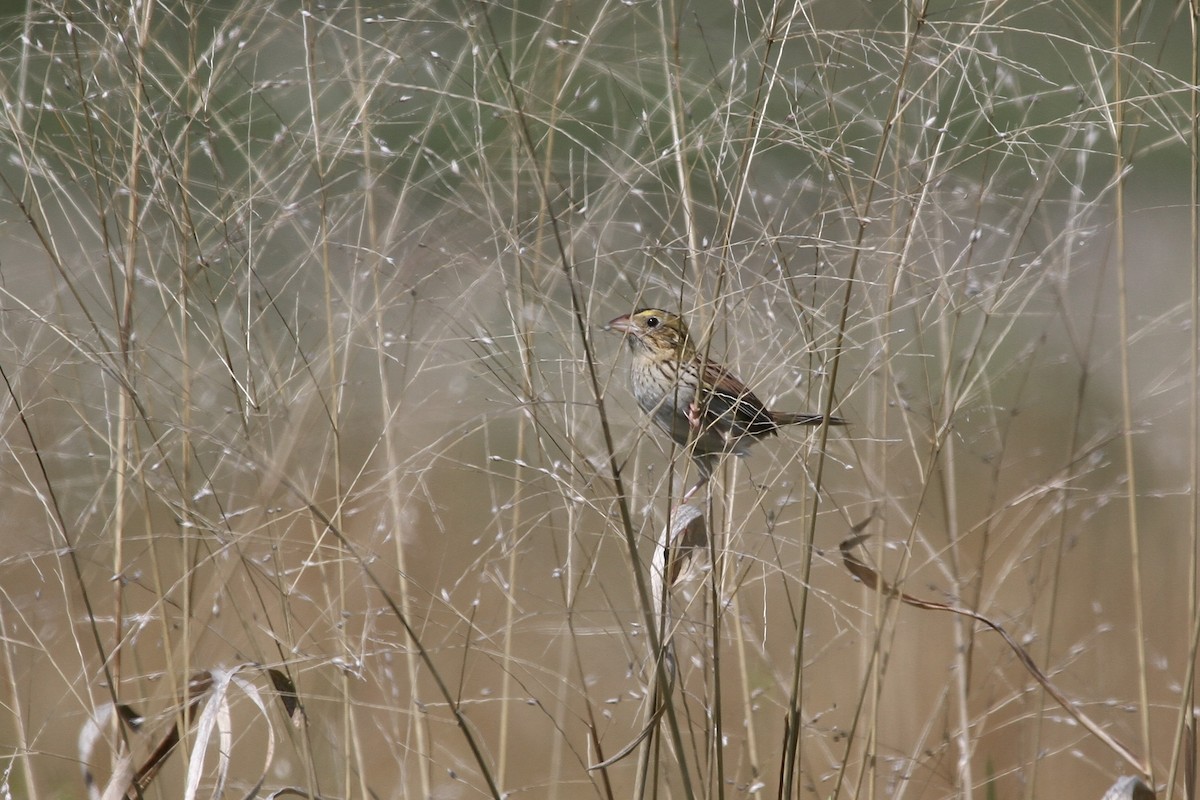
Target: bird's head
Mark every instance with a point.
(655, 333)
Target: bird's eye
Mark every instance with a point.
(652, 322)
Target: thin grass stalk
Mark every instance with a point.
(743, 664)
(391, 410)
(776, 34)
(569, 659)
(877, 420)
(1082, 344)
(954, 389)
(721, 536)
(571, 589)
(668, 27)
(22, 749)
(738, 631)
(944, 472)
(1057, 560)
(447, 133)
(162, 586)
(124, 315)
(336, 592)
(870, 695)
(526, 394)
(790, 756)
(947, 470)
(880, 616)
(580, 316)
(1117, 116)
(525, 343)
(188, 548)
(464, 727)
(54, 513)
(187, 519)
(721, 586)
(1185, 723)
(416, 727)
(511, 576)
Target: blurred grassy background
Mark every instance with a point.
(294, 292)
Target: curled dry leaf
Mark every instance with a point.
(686, 532)
(872, 579)
(1129, 788)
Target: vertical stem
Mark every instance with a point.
(310, 27)
(1135, 559)
(1184, 747)
(121, 462)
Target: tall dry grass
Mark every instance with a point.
(308, 407)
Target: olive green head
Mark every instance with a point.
(654, 332)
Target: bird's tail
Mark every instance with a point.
(787, 418)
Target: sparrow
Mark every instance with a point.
(700, 404)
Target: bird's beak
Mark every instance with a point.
(622, 324)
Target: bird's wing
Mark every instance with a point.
(729, 399)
